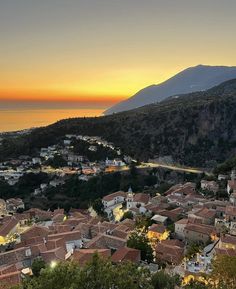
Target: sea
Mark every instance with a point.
(16, 116)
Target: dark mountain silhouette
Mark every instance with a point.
(192, 79)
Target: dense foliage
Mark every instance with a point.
(139, 241)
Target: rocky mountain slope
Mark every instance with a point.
(196, 129)
(192, 79)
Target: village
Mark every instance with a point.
(60, 161)
(184, 227)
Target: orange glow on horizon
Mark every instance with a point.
(39, 96)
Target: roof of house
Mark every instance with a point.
(206, 213)
(114, 195)
(158, 228)
(83, 256)
(184, 221)
(232, 184)
(171, 251)
(126, 254)
(57, 254)
(224, 251)
(68, 236)
(230, 210)
(200, 228)
(141, 198)
(7, 225)
(35, 231)
(228, 239)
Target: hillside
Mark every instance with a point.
(194, 129)
(198, 78)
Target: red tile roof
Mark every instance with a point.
(126, 254)
(83, 256)
(114, 195)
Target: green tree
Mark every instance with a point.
(139, 241)
(162, 280)
(128, 215)
(98, 206)
(37, 266)
(193, 249)
(224, 268)
(196, 285)
(97, 274)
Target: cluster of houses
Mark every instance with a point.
(179, 218)
(11, 171)
(55, 237)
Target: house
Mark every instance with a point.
(199, 233)
(170, 251)
(54, 255)
(232, 198)
(35, 231)
(159, 219)
(14, 204)
(102, 241)
(222, 177)
(209, 185)
(126, 254)
(179, 228)
(15, 256)
(231, 186)
(113, 199)
(205, 215)
(73, 239)
(227, 242)
(83, 256)
(157, 232)
(230, 213)
(139, 200)
(10, 279)
(8, 226)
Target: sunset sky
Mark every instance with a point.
(102, 51)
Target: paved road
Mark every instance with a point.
(172, 167)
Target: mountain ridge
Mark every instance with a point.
(196, 78)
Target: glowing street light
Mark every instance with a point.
(53, 264)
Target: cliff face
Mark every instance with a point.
(195, 129)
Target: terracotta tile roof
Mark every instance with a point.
(230, 211)
(171, 251)
(57, 254)
(126, 254)
(159, 228)
(227, 252)
(14, 256)
(68, 236)
(141, 198)
(37, 249)
(206, 213)
(7, 225)
(35, 231)
(228, 239)
(200, 228)
(84, 256)
(128, 223)
(114, 195)
(184, 221)
(103, 241)
(10, 279)
(56, 243)
(58, 218)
